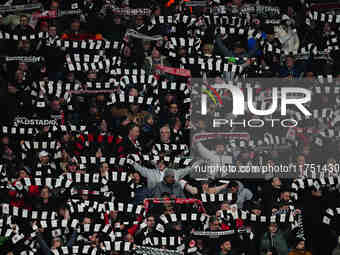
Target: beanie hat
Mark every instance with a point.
(169, 172)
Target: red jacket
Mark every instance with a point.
(21, 202)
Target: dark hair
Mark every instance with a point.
(233, 184)
(131, 126)
(166, 194)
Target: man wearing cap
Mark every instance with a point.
(45, 168)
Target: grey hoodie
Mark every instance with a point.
(243, 195)
(155, 176)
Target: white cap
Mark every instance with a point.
(43, 154)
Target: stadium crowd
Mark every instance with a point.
(103, 147)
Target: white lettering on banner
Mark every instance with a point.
(239, 100)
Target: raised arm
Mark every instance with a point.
(144, 171)
(224, 50)
(205, 153)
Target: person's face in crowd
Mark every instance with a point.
(219, 149)
(300, 245)
(104, 169)
(237, 2)
(94, 239)
(103, 126)
(55, 105)
(150, 121)
(225, 206)
(155, 53)
(136, 177)
(23, 67)
(272, 228)
(56, 243)
(44, 160)
(205, 187)
(147, 45)
(113, 215)
(70, 77)
(317, 193)
(54, 5)
(306, 150)
(157, 12)
(150, 222)
(87, 220)
(26, 46)
(161, 166)
(331, 162)
(226, 246)
(270, 162)
(169, 210)
(207, 50)
(165, 135)
(93, 110)
(285, 196)
(290, 62)
(64, 155)
(256, 212)
(238, 50)
(61, 212)
(129, 238)
(117, 20)
(173, 108)
(134, 133)
(19, 76)
(276, 182)
(52, 31)
(72, 168)
(244, 155)
(139, 20)
(92, 76)
(310, 76)
(23, 22)
(100, 98)
(234, 189)
(133, 92)
(182, 52)
(178, 124)
(170, 179)
(214, 226)
(66, 138)
(5, 140)
(134, 108)
(23, 174)
(178, 227)
(44, 194)
(201, 124)
(75, 26)
(270, 37)
(169, 98)
(44, 27)
(127, 52)
(199, 243)
(300, 160)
